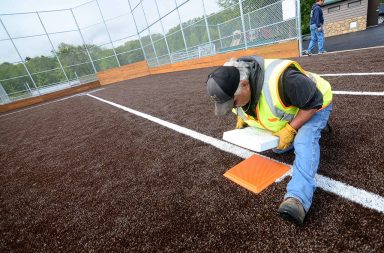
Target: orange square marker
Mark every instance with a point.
(256, 173)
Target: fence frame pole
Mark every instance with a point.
(181, 27)
(206, 23)
(18, 53)
(82, 38)
(53, 48)
(162, 28)
(109, 35)
(149, 32)
(138, 34)
(298, 22)
(243, 24)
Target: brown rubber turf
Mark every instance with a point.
(80, 175)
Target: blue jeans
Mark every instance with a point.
(316, 36)
(307, 158)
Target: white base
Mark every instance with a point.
(252, 138)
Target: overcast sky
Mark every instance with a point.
(87, 14)
(29, 37)
(15, 6)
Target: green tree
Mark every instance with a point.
(74, 55)
(305, 7)
(8, 71)
(131, 52)
(76, 62)
(248, 5)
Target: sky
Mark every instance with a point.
(17, 6)
(56, 17)
(24, 25)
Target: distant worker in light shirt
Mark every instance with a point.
(279, 96)
(316, 28)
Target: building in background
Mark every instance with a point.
(345, 16)
(381, 14)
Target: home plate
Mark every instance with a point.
(251, 138)
(256, 173)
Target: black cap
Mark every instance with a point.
(222, 84)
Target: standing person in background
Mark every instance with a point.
(316, 27)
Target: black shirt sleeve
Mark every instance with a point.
(299, 90)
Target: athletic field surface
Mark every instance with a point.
(138, 167)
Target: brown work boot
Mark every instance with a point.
(292, 210)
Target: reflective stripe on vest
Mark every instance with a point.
(269, 71)
(271, 113)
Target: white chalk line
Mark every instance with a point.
(359, 196)
(354, 74)
(355, 49)
(347, 50)
(358, 93)
(51, 102)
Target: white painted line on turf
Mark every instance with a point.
(54, 101)
(92, 91)
(35, 106)
(362, 197)
(225, 146)
(354, 74)
(358, 93)
(356, 49)
(347, 50)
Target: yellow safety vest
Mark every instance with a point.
(271, 113)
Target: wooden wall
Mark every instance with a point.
(279, 50)
(47, 97)
(122, 73)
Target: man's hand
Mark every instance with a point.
(240, 123)
(319, 29)
(286, 136)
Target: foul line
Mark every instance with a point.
(355, 49)
(358, 93)
(359, 196)
(348, 50)
(51, 102)
(354, 74)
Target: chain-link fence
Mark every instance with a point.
(45, 51)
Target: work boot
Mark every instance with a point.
(306, 52)
(292, 210)
(327, 129)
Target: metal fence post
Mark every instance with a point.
(181, 27)
(77, 77)
(149, 32)
(298, 22)
(162, 28)
(242, 23)
(218, 29)
(18, 53)
(1, 95)
(249, 21)
(4, 98)
(137, 30)
(28, 88)
(53, 48)
(37, 88)
(109, 36)
(206, 23)
(85, 45)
